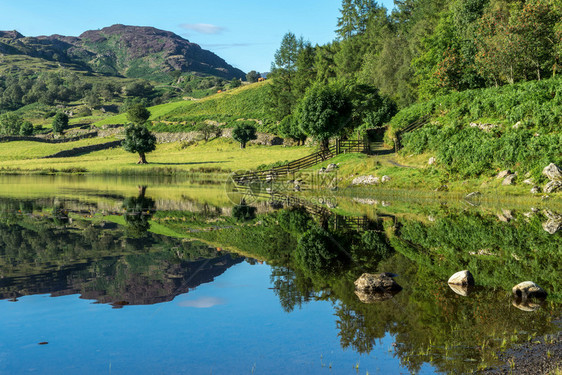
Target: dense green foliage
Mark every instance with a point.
(243, 212)
(138, 114)
(10, 124)
(244, 133)
(26, 128)
(524, 132)
(324, 112)
(421, 50)
(138, 139)
(252, 76)
(60, 122)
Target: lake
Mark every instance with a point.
(169, 275)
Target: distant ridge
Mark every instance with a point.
(121, 50)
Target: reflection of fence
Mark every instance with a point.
(322, 214)
(340, 147)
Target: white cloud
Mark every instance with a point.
(203, 28)
(203, 302)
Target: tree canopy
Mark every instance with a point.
(60, 122)
(138, 139)
(244, 133)
(138, 114)
(325, 111)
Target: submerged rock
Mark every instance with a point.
(528, 289)
(381, 283)
(527, 306)
(461, 290)
(462, 278)
(474, 194)
(372, 297)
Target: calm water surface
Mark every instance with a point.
(168, 276)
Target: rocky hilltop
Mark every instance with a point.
(130, 51)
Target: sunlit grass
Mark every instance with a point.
(220, 155)
(28, 150)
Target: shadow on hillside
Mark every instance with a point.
(189, 163)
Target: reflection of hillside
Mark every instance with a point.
(129, 280)
(45, 247)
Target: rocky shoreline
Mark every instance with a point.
(541, 356)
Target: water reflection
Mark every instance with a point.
(456, 330)
(65, 254)
(138, 212)
(130, 249)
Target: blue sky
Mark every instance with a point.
(244, 33)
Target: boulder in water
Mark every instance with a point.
(528, 289)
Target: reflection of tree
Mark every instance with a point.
(295, 220)
(243, 212)
(60, 215)
(318, 251)
(291, 289)
(430, 323)
(139, 211)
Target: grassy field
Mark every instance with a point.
(220, 155)
(26, 150)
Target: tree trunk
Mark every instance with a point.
(142, 191)
(242, 144)
(142, 158)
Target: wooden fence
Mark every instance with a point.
(340, 147)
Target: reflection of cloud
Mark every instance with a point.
(203, 28)
(203, 302)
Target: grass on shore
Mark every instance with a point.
(412, 172)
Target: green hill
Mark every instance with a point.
(485, 130)
(246, 103)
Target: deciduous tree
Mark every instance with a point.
(138, 114)
(138, 139)
(60, 122)
(324, 111)
(244, 133)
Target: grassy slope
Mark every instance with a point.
(246, 102)
(523, 132)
